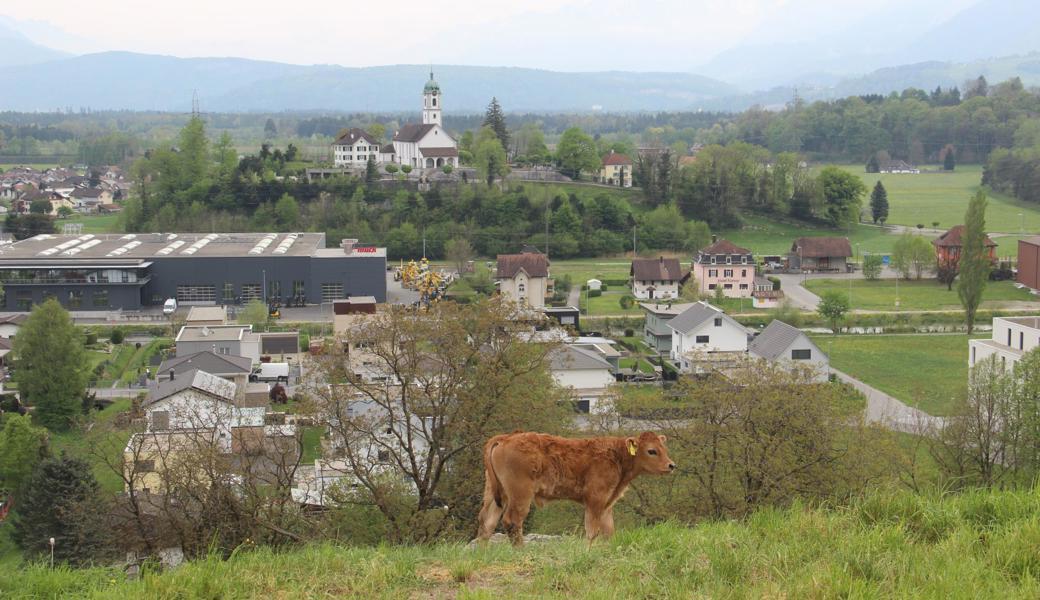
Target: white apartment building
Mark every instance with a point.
(1012, 338)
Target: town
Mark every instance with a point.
(275, 337)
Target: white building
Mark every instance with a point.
(194, 400)
(780, 342)
(426, 145)
(354, 148)
(585, 373)
(523, 278)
(656, 278)
(704, 332)
(1012, 338)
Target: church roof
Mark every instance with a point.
(413, 132)
(431, 85)
(439, 152)
(388, 149)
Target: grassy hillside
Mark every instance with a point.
(975, 545)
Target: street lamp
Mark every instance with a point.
(51, 540)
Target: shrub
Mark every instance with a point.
(391, 168)
(595, 293)
(627, 302)
(406, 169)
(629, 333)
(116, 337)
(447, 169)
(775, 281)
(91, 338)
(305, 342)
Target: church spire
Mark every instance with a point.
(431, 114)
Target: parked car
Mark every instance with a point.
(170, 306)
(271, 372)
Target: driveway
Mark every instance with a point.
(890, 412)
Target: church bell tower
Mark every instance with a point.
(431, 114)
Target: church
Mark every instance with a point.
(425, 145)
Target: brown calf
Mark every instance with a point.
(594, 472)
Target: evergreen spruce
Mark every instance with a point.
(879, 203)
(949, 161)
(873, 166)
(496, 120)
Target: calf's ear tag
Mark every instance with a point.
(631, 447)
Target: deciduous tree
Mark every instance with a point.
(974, 264)
(22, 446)
(833, 306)
(576, 153)
(489, 156)
(51, 365)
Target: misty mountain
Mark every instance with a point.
(903, 34)
(125, 80)
(16, 49)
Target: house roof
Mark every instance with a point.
(87, 193)
(656, 269)
(413, 132)
(694, 317)
(212, 333)
(207, 313)
(195, 379)
(352, 135)
(573, 358)
(439, 152)
(616, 158)
(535, 264)
(819, 247)
(665, 309)
(724, 247)
(217, 364)
(774, 340)
(280, 343)
(388, 149)
(13, 319)
(952, 238)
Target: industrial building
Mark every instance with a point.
(113, 271)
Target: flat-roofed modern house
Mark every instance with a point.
(226, 340)
(112, 271)
(656, 332)
(656, 278)
(780, 342)
(1012, 338)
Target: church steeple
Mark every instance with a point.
(431, 114)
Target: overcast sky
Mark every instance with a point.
(552, 34)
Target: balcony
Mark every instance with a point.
(73, 281)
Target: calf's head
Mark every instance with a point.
(651, 455)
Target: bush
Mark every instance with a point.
(620, 282)
(305, 342)
(604, 287)
(406, 169)
(872, 264)
(595, 293)
(627, 302)
(116, 337)
(775, 281)
(391, 168)
(629, 333)
(447, 169)
(91, 338)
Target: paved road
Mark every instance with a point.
(888, 411)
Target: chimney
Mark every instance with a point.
(714, 238)
(172, 374)
(348, 245)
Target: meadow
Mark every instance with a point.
(978, 544)
(929, 371)
(926, 294)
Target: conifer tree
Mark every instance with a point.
(879, 203)
(496, 120)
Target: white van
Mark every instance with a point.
(170, 306)
(271, 372)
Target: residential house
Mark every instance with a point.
(11, 323)
(354, 148)
(616, 170)
(523, 278)
(725, 265)
(234, 340)
(568, 316)
(584, 373)
(764, 296)
(780, 342)
(656, 332)
(87, 200)
(948, 246)
(194, 400)
(656, 278)
(820, 254)
(1012, 337)
(1029, 262)
(898, 166)
(235, 369)
(704, 334)
(283, 345)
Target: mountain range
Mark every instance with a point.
(929, 43)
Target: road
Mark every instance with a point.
(889, 411)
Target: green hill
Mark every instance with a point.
(971, 545)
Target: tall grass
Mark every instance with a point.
(887, 544)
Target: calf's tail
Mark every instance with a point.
(493, 482)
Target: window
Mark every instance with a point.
(144, 466)
(712, 259)
(331, 292)
(1021, 340)
(23, 300)
(75, 299)
(711, 286)
(227, 293)
(727, 272)
(383, 456)
(718, 321)
(194, 294)
(728, 286)
(729, 259)
(743, 286)
(274, 288)
(160, 419)
(582, 406)
(520, 288)
(251, 291)
(973, 355)
(1009, 337)
(805, 354)
(743, 259)
(743, 272)
(101, 298)
(702, 339)
(713, 272)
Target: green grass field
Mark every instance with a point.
(926, 294)
(943, 196)
(608, 304)
(928, 371)
(765, 236)
(980, 544)
(93, 223)
(100, 444)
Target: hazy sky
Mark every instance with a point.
(556, 34)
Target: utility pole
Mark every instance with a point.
(633, 241)
(548, 205)
(424, 242)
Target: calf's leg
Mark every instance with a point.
(606, 523)
(490, 513)
(593, 522)
(517, 507)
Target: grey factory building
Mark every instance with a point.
(114, 271)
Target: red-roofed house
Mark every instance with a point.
(617, 170)
(948, 246)
(656, 278)
(524, 277)
(726, 265)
